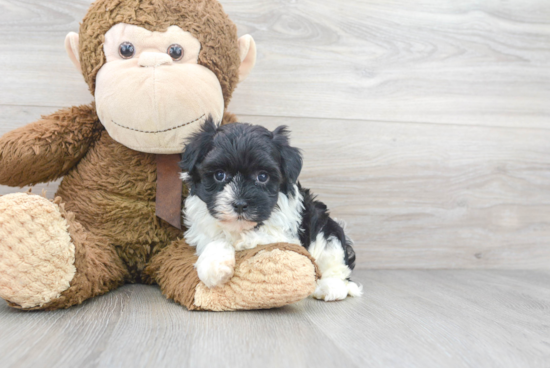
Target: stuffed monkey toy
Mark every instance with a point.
(157, 70)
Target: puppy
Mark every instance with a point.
(243, 192)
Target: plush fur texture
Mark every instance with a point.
(268, 276)
(107, 195)
(98, 267)
(25, 278)
(47, 149)
(244, 193)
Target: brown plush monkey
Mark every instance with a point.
(157, 69)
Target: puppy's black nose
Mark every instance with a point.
(240, 206)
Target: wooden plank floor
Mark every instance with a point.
(425, 125)
(406, 319)
(444, 62)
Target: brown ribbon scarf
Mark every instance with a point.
(169, 189)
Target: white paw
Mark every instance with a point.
(331, 288)
(214, 271)
(354, 289)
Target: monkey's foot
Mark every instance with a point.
(278, 275)
(268, 276)
(37, 256)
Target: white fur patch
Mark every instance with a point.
(329, 255)
(282, 226)
(225, 199)
(185, 176)
(332, 288)
(216, 263)
(333, 285)
(354, 289)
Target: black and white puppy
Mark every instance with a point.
(243, 192)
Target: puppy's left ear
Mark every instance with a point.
(291, 158)
(198, 146)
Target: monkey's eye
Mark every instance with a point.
(126, 50)
(175, 51)
(219, 175)
(263, 177)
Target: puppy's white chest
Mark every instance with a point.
(282, 226)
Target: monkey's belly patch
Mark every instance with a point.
(199, 119)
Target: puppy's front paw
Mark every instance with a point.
(215, 271)
(331, 289)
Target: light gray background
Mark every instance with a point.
(425, 126)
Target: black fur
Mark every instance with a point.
(291, 158)
(245, 150)
(316, 219)
(197, 146)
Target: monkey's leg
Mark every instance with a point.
(47, 259)
(265, 277)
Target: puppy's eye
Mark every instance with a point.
(219, 175)
(263, 177)
(126, 50)
(175, 51)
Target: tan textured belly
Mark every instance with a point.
(112, 192)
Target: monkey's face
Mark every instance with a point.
(151, 93)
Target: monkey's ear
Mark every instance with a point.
(247, 53)
(71, 46)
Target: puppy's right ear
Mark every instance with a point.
(198, 146)
(291, 158)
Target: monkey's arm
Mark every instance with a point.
(47, 149)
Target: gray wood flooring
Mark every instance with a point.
(425, 125)
(407, 318)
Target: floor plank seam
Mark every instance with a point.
(335, 119)
(391, 121)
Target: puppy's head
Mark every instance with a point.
(239, 169)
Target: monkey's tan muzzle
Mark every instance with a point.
(154, 59)
(151, 104)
